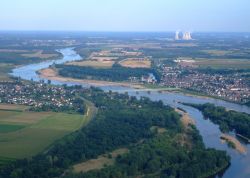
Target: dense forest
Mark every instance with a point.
(116, 73)
(124, 121)
(162, 156)
(227, 120)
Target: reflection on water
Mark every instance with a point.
(240, 163)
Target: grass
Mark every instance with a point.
(24, 134)
(5, 128)
(100, 162)
(60, 121)
(35, 135)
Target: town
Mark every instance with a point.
(233, 86)
(41, 96)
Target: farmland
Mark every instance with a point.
(223, 63)
(136, 63)
(94, 64)
(39, 54)
(24, 134)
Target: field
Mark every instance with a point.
(24, 134)
(95, 64)
(136, 63)
(39, 54)
(12, 107)
(217, 52)
(223, 63)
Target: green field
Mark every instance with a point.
(4, 128)
(25, 134)
(223, 63)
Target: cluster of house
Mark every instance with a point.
(37, 95)
(233, 86)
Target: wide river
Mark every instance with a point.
(240, 163)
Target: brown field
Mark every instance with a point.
(13, 51)
(48, 73)
(39, 54)
(100, 162)
(102, 58)
(136, 63)
(12, 107)
(91, 63)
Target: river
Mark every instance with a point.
(240, 163)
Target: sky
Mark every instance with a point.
(126, 15)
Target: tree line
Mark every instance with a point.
(227, 120)
(116, 73)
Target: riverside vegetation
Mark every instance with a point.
(227, 120)
(124, 121)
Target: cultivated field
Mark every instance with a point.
(217, 52)
(136, 63)
(12, 107)
(39, 54)
(223, 63)
(24, 134)
(95, 64)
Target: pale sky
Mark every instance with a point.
(126, 15)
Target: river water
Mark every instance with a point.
(240, 163)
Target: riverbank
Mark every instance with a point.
(52, 74)
(209, 131)
(186, 119)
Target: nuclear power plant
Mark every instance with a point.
(177, 35)
(185, 35)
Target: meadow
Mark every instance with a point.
(24, 134)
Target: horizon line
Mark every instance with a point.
(118, 31)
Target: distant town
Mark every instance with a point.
(231, 86)
(40, 96)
